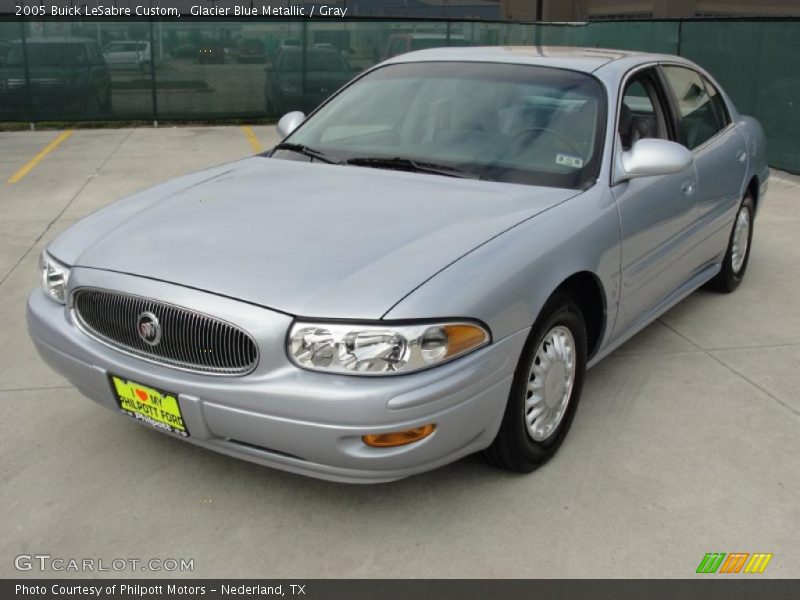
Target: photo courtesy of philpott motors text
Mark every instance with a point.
(123, 589)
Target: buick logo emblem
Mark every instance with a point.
(148, 328)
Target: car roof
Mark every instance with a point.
(578, 59)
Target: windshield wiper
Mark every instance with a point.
(409, 164)
(303, 149)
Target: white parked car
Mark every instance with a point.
(133, 54)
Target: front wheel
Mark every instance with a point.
(545, 391)
(737, 255)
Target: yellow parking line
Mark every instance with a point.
(28, 166)
(251, 137)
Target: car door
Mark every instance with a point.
(720, 156)
(655, 212)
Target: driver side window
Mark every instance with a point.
(641, 112)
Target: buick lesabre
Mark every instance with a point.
(422, 269)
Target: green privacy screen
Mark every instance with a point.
(758, 64)
(194, 70)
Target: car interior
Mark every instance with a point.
(514, 125)
(702, 113)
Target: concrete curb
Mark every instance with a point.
(785, 178)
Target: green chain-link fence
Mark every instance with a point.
(196, 70)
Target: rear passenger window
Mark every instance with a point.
(702, 115)
(717, 102)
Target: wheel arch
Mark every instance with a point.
(586, 290)
(753, 187)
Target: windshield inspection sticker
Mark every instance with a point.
(569, 161)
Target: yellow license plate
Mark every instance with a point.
(156, 408)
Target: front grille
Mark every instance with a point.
(189, 340)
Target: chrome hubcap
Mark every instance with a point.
(550, 382)
(741, 238)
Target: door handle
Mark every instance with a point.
(688, 187)
(741, 156)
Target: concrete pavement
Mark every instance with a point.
(687, 440)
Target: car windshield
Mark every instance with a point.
(48, 55)
(512, 123)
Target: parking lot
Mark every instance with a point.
(687, 440)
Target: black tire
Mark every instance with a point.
(514, 449)
(728, 279)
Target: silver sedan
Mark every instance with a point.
(424, 267)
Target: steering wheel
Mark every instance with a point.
(529, 130)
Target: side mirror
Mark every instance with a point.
(649, 157)
(289, 122)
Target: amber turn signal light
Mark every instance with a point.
(462, 338)
(398, 438)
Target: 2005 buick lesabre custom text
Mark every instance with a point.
(422, 269)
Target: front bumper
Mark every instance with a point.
(282, 416)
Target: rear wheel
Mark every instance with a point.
(545, 391)
(734, 265)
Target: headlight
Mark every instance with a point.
(54, 278)
(381, 349)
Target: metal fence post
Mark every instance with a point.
(303, 65)
(26, 65)
(153, 90)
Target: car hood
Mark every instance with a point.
(303, 238)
